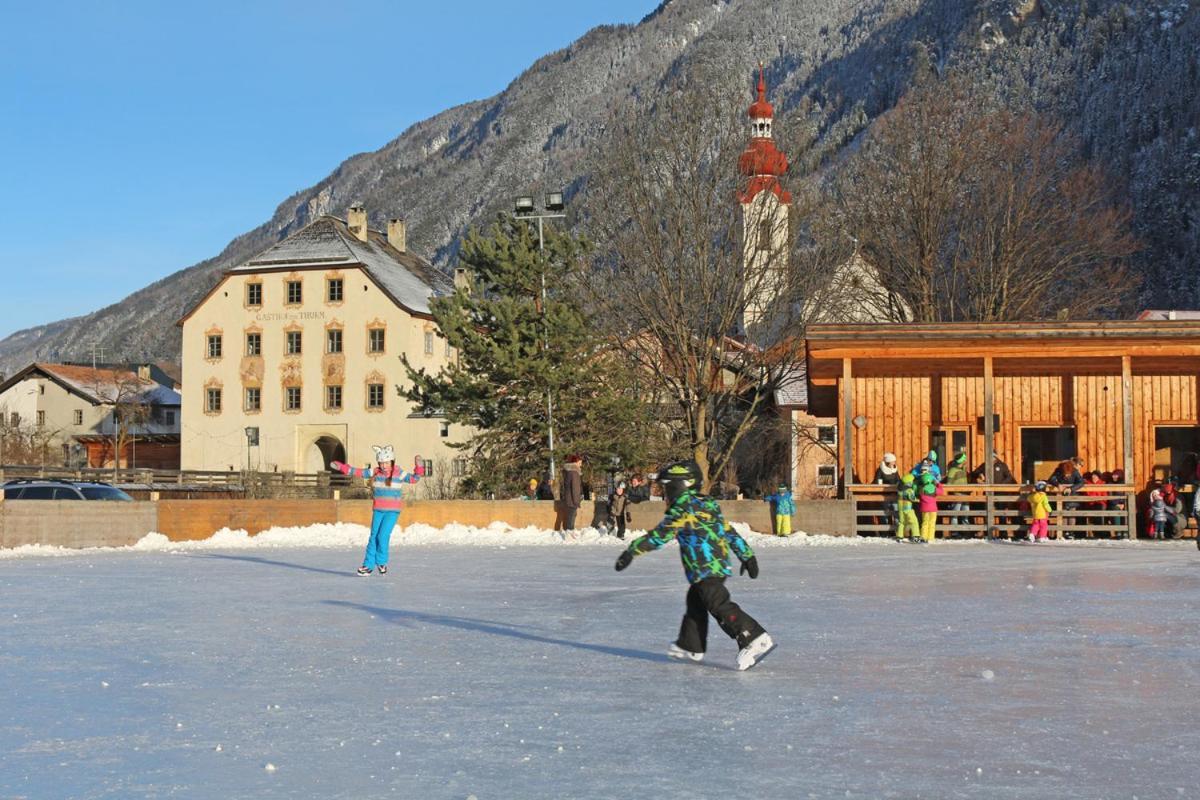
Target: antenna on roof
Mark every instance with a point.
(97, 351)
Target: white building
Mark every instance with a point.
(293, 359)
(80, 415)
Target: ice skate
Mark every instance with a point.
(382, 569)
(755, 651)
(363, 572)
(675, 651)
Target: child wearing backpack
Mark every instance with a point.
(782, 507)
(908, 525)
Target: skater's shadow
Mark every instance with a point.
(271, 563)
(402, 617)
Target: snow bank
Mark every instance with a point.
(345, 535)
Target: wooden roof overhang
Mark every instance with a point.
(1015, 348)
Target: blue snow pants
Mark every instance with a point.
(382, 523)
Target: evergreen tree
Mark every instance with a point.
(522, 339)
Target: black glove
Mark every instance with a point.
(624, 560)
(750, 565)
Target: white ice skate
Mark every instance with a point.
(755, 651)
(675, 651)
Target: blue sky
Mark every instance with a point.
(137, 138)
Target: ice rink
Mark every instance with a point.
(948, 671)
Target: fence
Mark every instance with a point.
(200, 482)
(982, 510)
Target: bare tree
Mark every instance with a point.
(127, 395)
(706, 308)
(969, 212)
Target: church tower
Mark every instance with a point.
(766, 210)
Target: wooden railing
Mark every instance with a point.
(251, 484)
(979, 511)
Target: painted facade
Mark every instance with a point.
(299, 349)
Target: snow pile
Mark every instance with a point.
(346, 535)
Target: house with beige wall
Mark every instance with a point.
(80, 415)
(292, 360)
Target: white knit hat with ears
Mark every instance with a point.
(385, 453)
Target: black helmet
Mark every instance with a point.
(678, 477)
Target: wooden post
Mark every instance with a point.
(847, 426)
(989, 441)
(1127, 416)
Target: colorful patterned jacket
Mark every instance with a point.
(705, 538)
(387, 498)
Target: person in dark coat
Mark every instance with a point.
(572, 490)
(1001, 474)
(639, 489)
(545, 489)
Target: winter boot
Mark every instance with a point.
(364, 571)
(755, 651)
(675, 651)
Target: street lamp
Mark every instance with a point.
(524, 208)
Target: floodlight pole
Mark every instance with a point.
(526, 212)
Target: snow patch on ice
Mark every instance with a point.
(346, 535)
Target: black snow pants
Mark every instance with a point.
(710, 596)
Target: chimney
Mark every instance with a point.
(462, 278)
(398, 234)
(1171, 316)
(356, 221)
(144, 372)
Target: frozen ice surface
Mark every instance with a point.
(539, 672)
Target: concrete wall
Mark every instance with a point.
(74, 523)
(84, 524)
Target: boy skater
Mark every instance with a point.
(705, 539)
(784, 507)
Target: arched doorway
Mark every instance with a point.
(323, 451)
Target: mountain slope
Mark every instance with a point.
(1123, 75)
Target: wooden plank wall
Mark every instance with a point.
(902, 410)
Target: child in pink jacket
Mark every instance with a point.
(931, 489)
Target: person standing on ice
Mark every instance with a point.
(705, 541)
(782, 508)
(387, 481)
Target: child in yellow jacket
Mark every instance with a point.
(1039, 509)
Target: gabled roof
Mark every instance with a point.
(100, 385)
(326, 243)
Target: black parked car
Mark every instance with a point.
(51, 489)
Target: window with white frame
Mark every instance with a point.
(41, 419)
(827, 434)
(333, 340)
(212, 400)
(253, 398)
(295, 293)
(376, 339)
(458, 468)
(295, 343)
(374, 395)
(254, 294)
(78, 416)
(292, 398)
(333, 397)
(428, 343)
(214, 346)
(254, 344)
(333, 291)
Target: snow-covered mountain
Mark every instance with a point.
(1124, 75)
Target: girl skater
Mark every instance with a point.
(387, 480)
(705, 539)
(1039, 511)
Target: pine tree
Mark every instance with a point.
(522, 339)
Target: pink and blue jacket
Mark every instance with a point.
(387, 498)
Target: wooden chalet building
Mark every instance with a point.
(1120, 395)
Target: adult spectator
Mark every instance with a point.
(887, 474)
(1001, 474)
(639, 489)
(545, 489)
(572, 490)
(1069, 480)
